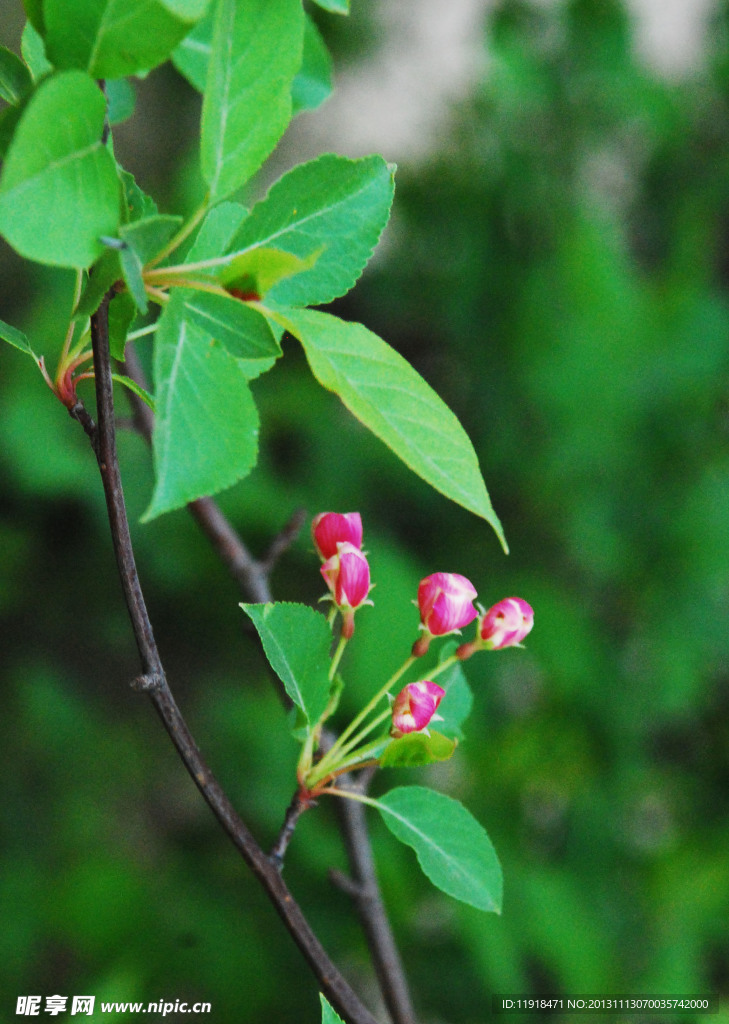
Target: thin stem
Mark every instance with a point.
(184, 232)
(335, 750)
(185, 268)
(72, 323)
(337, 657)
(142, 331)
(182, 282)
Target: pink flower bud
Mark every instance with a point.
(414, 707)
(347, 575)
(445, 600)
(506, 624)
(331, 528)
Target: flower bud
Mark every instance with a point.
(414, 707)
(445, 600)
(506, 624)
(331, 528)
(347, 574)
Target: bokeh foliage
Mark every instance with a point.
(558, 273)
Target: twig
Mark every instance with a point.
(293, 812)
(331, 981)
(364, 889)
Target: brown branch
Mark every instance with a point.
(364, 889)
(332, 983)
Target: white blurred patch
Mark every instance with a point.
(671, 34)
(397, 101)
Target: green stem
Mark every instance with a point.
(335, 751)
(337, 657)
(184, 232)
(149, 329)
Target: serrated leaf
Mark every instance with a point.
(206, 430)
(137, 204)
(417, 749)
(15, 338)
(143, 239)
(313, 82)
(243, 331)
(332, 204)
(328, 1016)
(33, 50)
(256, 51)
(296, 640)
(15, 78)
(258, 270)
(116, 38)
(59, 190)
(393, 401)
(453, 850)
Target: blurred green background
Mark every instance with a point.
(557, 268)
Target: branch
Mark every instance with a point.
(332, 983)
(253, 578)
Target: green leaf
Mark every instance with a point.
(334, 6)
(206, 429)
(143, 240)
(332, 204)
(9, 118)
(216, 232)
(417, 749)
(256, 51)
(192, 56)
(103, 274)
(15, 78)
(313, 83)
(121, 99)
(383, 391)
(115, 38)
(453, 850)
(297, 641)
(59, 190)
(33, 50)
(258, 270)
(137, 204)
(458, 701)
(328, 1016)
(34, 10)
(310, 87)
(243, 331)
(122, 310)
(15, 338)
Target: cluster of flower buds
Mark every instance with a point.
(338, 540)
(445, 601)
(414, 707)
